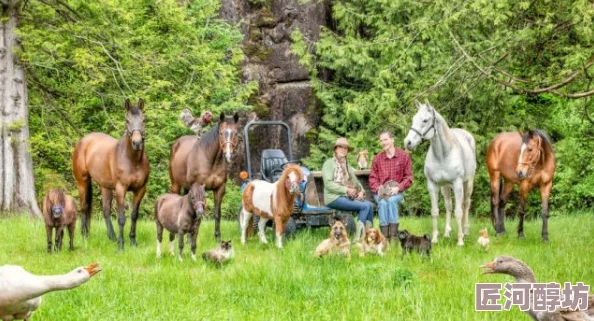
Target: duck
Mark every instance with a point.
(21, 291)
(524, 274)
(483, 240)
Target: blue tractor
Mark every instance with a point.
(308, 210)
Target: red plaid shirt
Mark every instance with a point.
(397, 168)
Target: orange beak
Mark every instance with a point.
(490, 266)
(92, 269)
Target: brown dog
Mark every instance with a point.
(374, 242)
(338, 242)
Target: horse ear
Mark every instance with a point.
(236, 117)
(140, 104)
(222, 118)
(127, 104)
(417, 103)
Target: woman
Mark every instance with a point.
(342, 189)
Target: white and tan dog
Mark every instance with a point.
(338, 242)
(374, 242)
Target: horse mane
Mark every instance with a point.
(56, 197)
(283, 202)
(211, 137)
(546, 144)
(440, 121)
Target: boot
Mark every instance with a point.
(384, 229)
(359, 232)
(393, 232)
(368, 225)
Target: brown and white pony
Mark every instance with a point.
(59, 211)
(271, 201)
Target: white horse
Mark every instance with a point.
(450, 163)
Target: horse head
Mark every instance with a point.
(530, 153)
(57, 200)
(228, 136)
(135, 124)
(197, 197)
(292, 175)
(423, 125)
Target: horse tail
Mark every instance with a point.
(89, 195)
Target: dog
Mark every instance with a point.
(374, 242)
(362, 158)
(483, 240)
(409, 242)
(197, 125)
(338, 242)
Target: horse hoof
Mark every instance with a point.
(460, 244)
(521, 236)
(545, 239)
(133, 242)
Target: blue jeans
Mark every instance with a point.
(388, 210)
(365, 208)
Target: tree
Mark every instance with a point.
(17, 188)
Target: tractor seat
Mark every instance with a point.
(271, 164)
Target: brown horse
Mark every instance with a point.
(119, 165)
(180, 215)
(524, 159)
(59, 211)
(205, 161)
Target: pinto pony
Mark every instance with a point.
(271, 201)
(59, 211)
(527, 160)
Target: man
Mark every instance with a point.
(391, 164)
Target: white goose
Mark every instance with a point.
(21, 291)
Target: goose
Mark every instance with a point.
(523, 274)
(21, 291)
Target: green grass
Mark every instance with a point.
(263, 283)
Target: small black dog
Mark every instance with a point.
(410, 242)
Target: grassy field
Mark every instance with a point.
(263, 283)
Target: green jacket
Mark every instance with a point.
(333, 190)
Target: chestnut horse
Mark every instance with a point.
(271, 201)
(205, 161)
(59, 211)
(119, 165)
(525, 159)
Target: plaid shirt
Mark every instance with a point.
(397, 168)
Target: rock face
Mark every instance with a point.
(285, 92)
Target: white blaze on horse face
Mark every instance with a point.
(294, 183)
(228, 151)
(519, 169)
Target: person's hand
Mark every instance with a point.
(361, 195)
(394, 190)
(351, 192)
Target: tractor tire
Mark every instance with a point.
(290, 229)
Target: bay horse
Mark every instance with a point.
(271, 201)
(116, 165)
(180, 215)
(205, 161)
(524, 159)
(450, 163)
(59, 211)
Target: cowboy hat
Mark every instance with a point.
(341, 141)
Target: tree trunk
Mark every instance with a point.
(17, 188)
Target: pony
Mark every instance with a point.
(450, 164)
(180, 215)
(116, 165)
(524, 159)
(59, 211)
(205, 161)
(271, 201)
